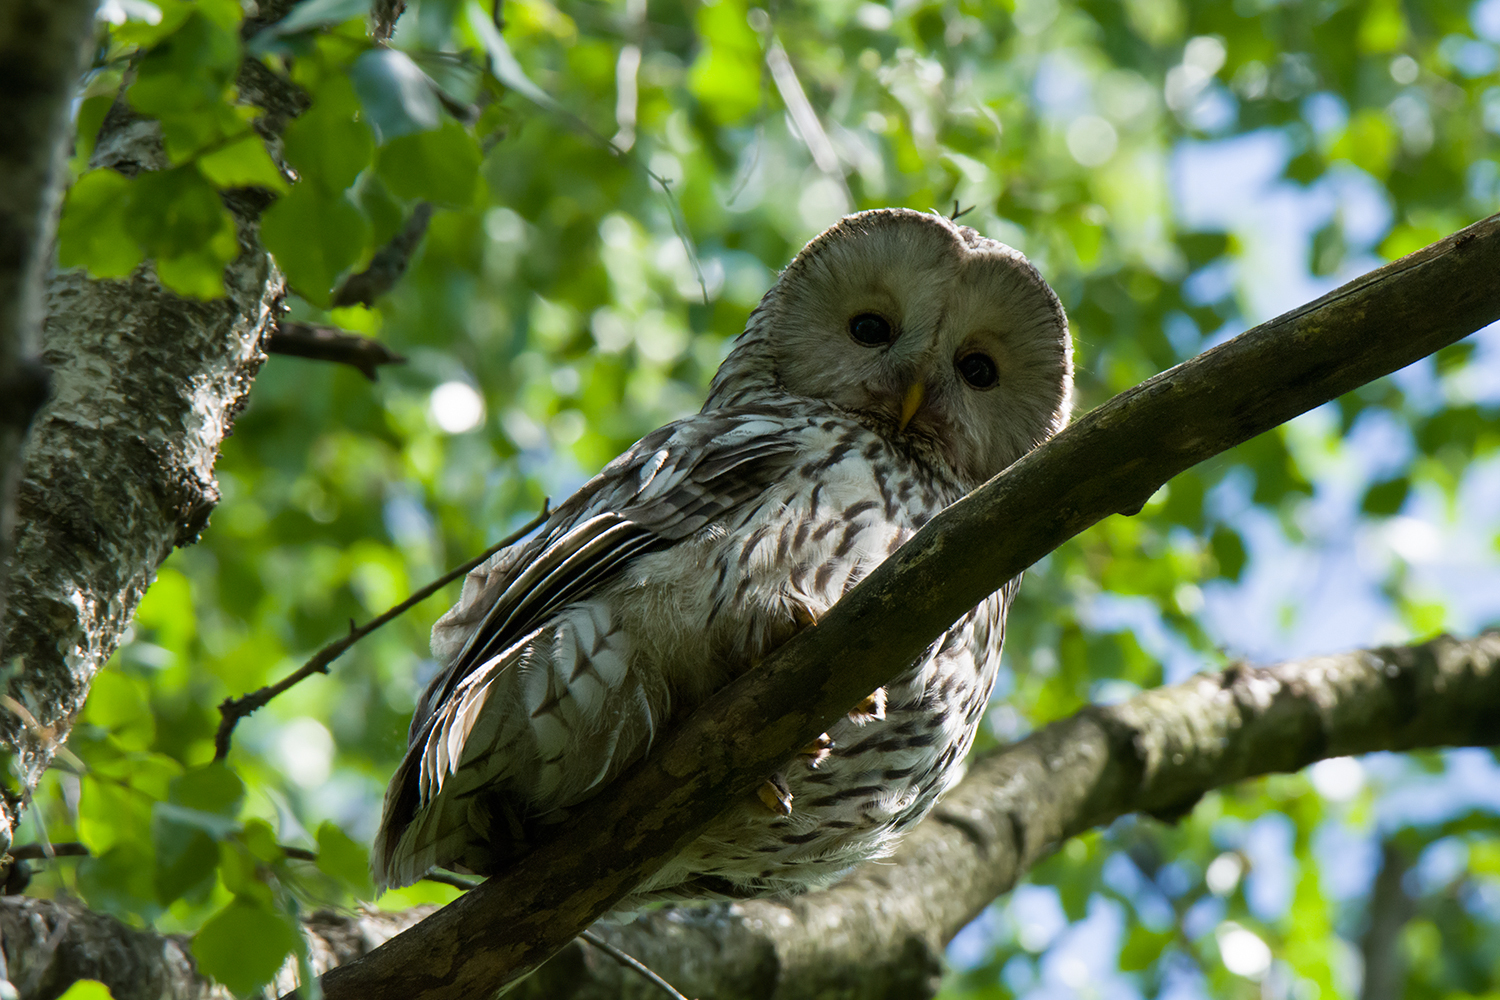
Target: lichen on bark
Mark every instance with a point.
(119, 468)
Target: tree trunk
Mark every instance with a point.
(42, 45)
(119, 468)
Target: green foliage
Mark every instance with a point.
(555, 298)
(87, 989)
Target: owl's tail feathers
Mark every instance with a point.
(477, 833)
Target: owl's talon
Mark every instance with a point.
(872, 709)
(775, 795)
(803, 616)
(816, 752)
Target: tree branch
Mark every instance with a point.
(1109, 461)
(329, 343)
(880, 932)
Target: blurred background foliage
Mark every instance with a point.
(615, 185)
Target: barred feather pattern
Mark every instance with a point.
(708, 544)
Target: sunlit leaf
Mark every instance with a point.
(243, 945)
(440, 166)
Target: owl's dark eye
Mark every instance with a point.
(870, 329)
(978, 370)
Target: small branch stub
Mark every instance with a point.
(329, 343)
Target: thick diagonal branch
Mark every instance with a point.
(1109, 461)
(880, 933)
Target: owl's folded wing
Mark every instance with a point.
(670, 485)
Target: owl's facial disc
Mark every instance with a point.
(924, 330)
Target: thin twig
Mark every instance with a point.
(448, 878)
(39, 851)
(388, 264)
(328, 343)
(232, 710)
(631, 962)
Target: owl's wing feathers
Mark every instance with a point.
(672, 484)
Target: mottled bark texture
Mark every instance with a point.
(879, 935)
(1111, 460)
(42, 49)
(50, 944)
(119, 468)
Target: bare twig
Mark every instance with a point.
(37, 852)
(329, 343)
(232, 710)
(383, 15)
(389, 262)
(632, 963)
(448, 878)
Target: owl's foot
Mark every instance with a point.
(816, 752)
(803, 616)
(872, 709)
(775, 795)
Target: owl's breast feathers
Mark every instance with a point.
(688, 558)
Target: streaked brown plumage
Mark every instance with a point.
(897, 363)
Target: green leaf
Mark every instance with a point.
(345, 860)
(91, 114)
(243, 162)
(212, 788)
(726, 76)
(184, 82)
(87, 989)
(397, 96)
(260, 840)
(440, 166)
(1229, 551)
(329, 145)
(178, 217)
(91, 233)
(1387, 497)
(1142, 948)
(1383, 28)
(121, 881)
(187, 829)
(120, 703)
(187, 851)
(1369, 142)
(319, 14)
(386, 214)
(244, 945)
(314, 236)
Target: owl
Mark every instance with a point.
(897, 363)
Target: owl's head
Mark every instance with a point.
(920, 328)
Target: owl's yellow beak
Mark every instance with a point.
(911, 403)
